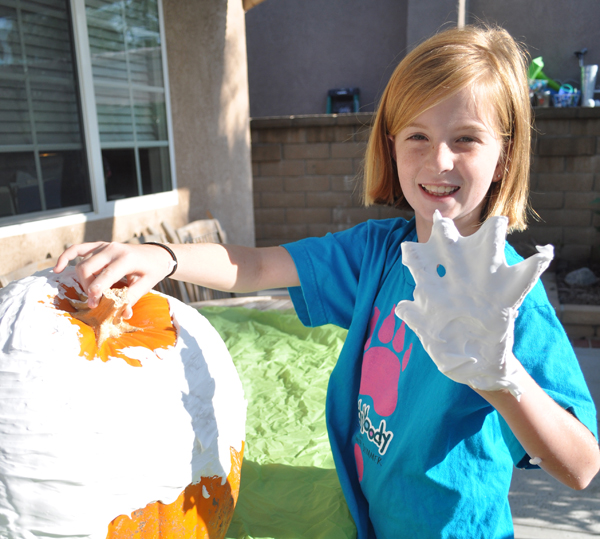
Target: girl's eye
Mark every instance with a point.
(417, 137)
(466, 139)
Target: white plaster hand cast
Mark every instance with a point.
(466, 300)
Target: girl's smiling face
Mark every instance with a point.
(447, 158)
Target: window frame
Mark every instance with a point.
(101, 207)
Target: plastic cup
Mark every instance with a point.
(588, 83)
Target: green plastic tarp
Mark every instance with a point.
(289, 487)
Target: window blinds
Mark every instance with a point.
(42, 156)
(125, 48)
(124, 38)
(38, 90)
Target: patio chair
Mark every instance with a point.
(202, 231)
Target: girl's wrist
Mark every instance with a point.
(173, 263)
(519, 376)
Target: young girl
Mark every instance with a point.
(417, 454)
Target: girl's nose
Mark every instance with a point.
(441, 158)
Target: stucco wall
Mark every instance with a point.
(206, 46)
(551, 29)
(426, 17)
(206, 54)
(21, 249)
(298, 49)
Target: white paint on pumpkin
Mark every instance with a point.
(82, 442)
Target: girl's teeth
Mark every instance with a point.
(440, 190)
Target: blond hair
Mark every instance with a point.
(487, 59)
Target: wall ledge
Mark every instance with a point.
(365, 118)
(559, 113)
(312, 120)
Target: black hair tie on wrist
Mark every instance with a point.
(170, 251)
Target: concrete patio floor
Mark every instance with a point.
(542, 507)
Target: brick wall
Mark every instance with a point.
(306, 174)
(307, 170)
(565, 179)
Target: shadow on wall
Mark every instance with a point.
(297, 51)
(209, 99)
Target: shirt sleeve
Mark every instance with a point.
(543, 348)
(329, 270)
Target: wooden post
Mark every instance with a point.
(462, 13)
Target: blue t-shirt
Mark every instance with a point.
(417, 454)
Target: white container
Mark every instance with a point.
(588, 84)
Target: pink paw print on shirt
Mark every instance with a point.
(381, 366)
(380, 374)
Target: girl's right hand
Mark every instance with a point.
(466, 301)
(103, 264)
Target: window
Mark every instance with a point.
(47, 167)
(124, 39)
(42, 155)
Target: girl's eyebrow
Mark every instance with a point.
(415, 126)
(475, 126)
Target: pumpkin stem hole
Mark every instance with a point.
(107, 318)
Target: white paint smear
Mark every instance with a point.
(83, 442)
(466, 301)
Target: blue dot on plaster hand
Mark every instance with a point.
(441, 270)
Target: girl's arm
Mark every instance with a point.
(568, 450)
(228, 268)
(470, 315)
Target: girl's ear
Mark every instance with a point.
(392, 146)
(498, 171)
(501, 168)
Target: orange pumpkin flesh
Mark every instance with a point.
(151, 320)
(191, 515)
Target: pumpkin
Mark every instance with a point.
(114, 428)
